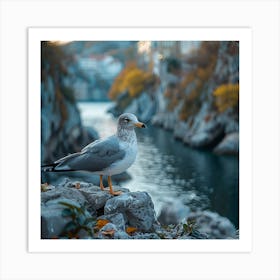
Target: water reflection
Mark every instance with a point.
(170, 171)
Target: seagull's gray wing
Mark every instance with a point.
(96, 156)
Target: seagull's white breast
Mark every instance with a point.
(122, 165)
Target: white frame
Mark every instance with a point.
(262, 262)
(244, 243)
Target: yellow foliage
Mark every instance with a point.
(226, 96)
(203, 61)
(132, 79)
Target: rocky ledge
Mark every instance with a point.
(74, 209)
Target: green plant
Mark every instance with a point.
(79, 220)
(190, 226)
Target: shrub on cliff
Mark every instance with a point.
(133, 80)
(226, 96)
(202, 61)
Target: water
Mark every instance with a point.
(171, 171)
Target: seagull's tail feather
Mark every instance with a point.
(60, 165)
(52, 168)
(49, 167)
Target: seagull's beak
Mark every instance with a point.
(139, 124)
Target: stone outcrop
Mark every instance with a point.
(215, 226)
(60, 117)
(75, 209)
(229, 145)
(204, 125)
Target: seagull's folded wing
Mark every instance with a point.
(96, 156)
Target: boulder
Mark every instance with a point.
(130, 215)
(229, 145)
(53, 223)
(214, 225)
(63, 192)
(206, 135)
(180, 129)
(116, 219)
(110, 231)
(173, 213)
(95, 198)
(136, 207)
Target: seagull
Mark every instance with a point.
(108, 156)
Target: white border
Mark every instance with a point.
(263, 16)
(35, 244)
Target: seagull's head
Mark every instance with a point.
(129, 121)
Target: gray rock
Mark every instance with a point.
(63, 192)
(145, 236)
(229, 145)
(106, 228)
(52, 221)
(62, 131)
(121, 235)
(214, 225)
(173, 213)
(180, 129)
(116, 219)
(116, 233)
(205, 135)
(143, 106)
(95, 198)
(136, 207)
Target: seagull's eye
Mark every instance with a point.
(126, 119)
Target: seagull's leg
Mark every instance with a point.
(111, 187)
(101, 183)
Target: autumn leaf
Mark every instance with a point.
(131, 230)
(101, 223)
(77, 185)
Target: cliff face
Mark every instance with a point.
(61, 128)
(197, 98)
(94, 67)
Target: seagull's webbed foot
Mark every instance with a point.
(111, 191)
(115, 193)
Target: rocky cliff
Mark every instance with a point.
(75, 209)
(96, 64)
(197, 98)
(61, 128)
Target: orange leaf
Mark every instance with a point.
(130, 230)
(101, 223)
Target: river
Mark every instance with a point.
(172, 172)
